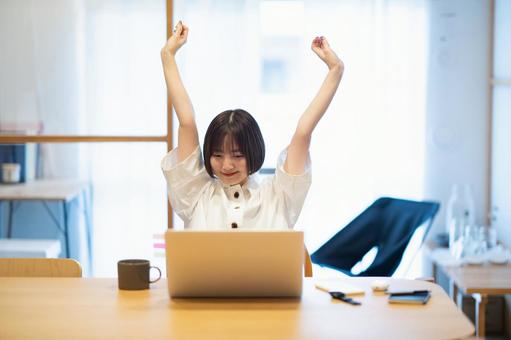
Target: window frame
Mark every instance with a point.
(22, 139)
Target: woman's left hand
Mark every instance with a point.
(321, 47)
(176, 40)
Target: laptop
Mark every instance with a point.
(234, 263)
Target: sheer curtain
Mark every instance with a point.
(126, 96)
(92, 67)
(256, 55)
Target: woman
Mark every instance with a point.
(218, 192)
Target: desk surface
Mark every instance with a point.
(47, 190)
(485, 279)
(491, 279)
(94, 308)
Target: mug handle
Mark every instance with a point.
(159, 276)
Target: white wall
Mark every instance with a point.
(501, 138)
(457, 122)
(501, 143)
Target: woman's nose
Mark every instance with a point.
(228, 163)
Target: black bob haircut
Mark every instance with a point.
(244, 131)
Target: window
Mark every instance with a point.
(92, 68)
(256, 55)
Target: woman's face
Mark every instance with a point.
(229, 165)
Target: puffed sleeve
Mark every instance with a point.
(293, 188)
(186, 180)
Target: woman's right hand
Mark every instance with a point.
(176, 40)
(321, 47)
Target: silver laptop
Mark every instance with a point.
(234, 263)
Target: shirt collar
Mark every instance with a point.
(250, 185)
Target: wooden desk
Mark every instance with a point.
(479, 281)
(94, 308)
(46, 190)
(63, 191)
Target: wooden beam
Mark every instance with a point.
(170, 25)
(15, 139)
(500, 82)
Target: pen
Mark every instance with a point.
(341, 296)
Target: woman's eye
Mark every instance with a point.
(239, 156)
(216, 155)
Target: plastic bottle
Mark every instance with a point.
(469, 236)
(469, 212)
(460, 214)
(454, 221)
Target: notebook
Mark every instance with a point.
(234, 263)
(416, 298)
(336, 285)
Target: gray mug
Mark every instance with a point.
(133, 274)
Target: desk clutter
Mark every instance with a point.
(467, 241)
(341, 290)
(18, 162)
(339, 286)
(497, 256)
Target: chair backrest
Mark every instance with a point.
(39, 267)
(307, 265)
(388, 224)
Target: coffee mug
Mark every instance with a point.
(133, 274)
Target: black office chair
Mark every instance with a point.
(388, 224)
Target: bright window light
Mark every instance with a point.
(284, 18)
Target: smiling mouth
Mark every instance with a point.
(229, 175)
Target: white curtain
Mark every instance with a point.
(92, 67)
(125, 95)
(256, 55)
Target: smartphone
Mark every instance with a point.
(414, 298)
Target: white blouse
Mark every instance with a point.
(205, 203)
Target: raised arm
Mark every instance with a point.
(188, 138)
(299, 147)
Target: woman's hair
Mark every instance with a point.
(244, 132)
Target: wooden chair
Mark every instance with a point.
(39, 267)
(307, 265)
